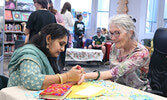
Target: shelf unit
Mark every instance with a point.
(14, 29)
(2, 10)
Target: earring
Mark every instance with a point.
(47, 46)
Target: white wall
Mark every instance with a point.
(134, 10)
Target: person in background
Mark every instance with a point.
(67, 16)
(32, 66)
(127, 56)
(87, 43)
(68, 24)
(58, 16)
(98, 41)
(106, 34)
(38, 19)
(9, 4)
(79, 30)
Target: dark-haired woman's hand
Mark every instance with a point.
(75, 73)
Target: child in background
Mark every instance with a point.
(79, 30)
(106, 34)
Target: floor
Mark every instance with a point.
(88, 66)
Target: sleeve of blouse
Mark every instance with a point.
(70, 19)
(138, 59)
(59, 18)
(31, 76)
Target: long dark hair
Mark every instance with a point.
(39, 40)
(51, 9)
(66, 6)
(43, 3)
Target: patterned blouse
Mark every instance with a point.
(125, 70)
(29, 75)
(28, 67)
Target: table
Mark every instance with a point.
(76, 54)
(113, 91)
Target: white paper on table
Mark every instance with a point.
(89, 91)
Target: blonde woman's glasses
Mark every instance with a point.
(116, 34)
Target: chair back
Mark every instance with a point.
(158, 63)
(3, 81)
(160, 41)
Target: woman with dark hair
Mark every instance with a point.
(31, 65)
(68, 24)
(157, 73)
(67, 16)
(38, 19)
(58, 16)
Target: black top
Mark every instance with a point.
(38, 20)
(79, 28)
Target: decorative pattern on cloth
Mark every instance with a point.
(27, 75)
(56, 89)
(73, 54)
(28, 67)
(114, 91)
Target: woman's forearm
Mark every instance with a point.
(51, 79)
(27, 38)
(103, 75)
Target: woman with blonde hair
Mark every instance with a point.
(127, 56)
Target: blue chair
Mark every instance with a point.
(88, 42)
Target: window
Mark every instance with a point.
(103, 13)
(151, 21)
(165, 14)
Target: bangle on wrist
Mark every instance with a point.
(61, 79)
(98, 74)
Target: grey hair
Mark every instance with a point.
(124, 21)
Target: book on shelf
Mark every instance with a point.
(56, 91)
(9, 49)
(13, 27)
(8, 37)
(25, 16)
(16, 15)
(8, 15)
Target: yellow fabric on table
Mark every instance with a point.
(84, 85)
